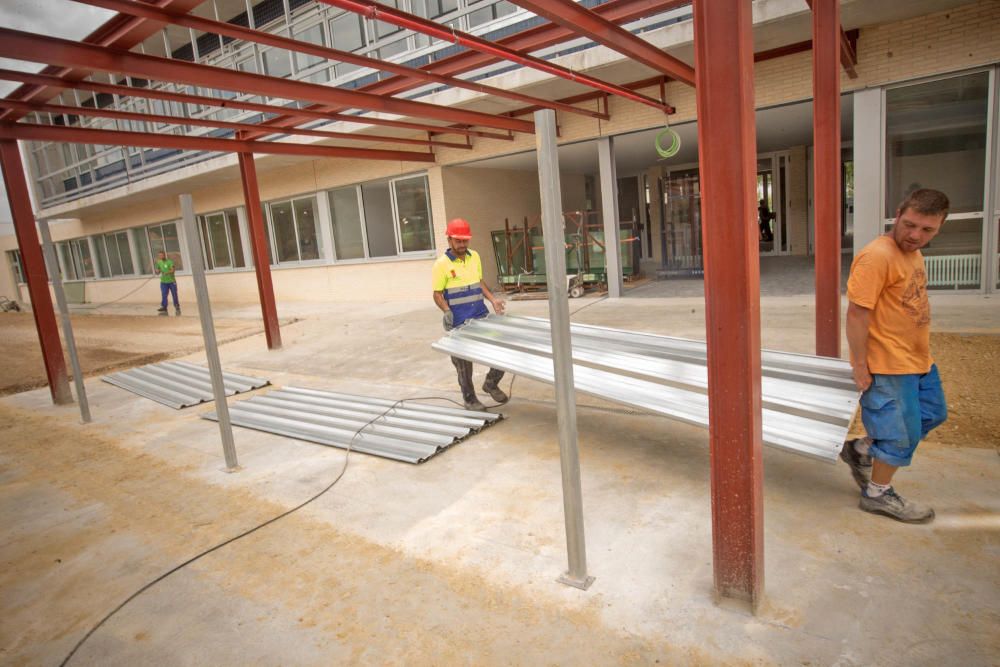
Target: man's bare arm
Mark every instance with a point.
(858, 319)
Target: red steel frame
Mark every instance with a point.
(727, 151)
(37, 48)
(620, 11)
(258, 242)
(379, 12)
(82, 135)
(121, 32)
(728, 159)
(270, 39)
(151, 93)
(223, 124)
(826, 147)
(34, 272)
(569, 14)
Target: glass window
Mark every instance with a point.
(102, 257)
(163, 238)
(305, 225)
(378, 219)
(14, 259)
(283, 223)
(276, 62)
(294, 227)
(383, 29)
(936, 138)
(235, 240)
(313, 35)
(76, 258)
(120, 239)
(347, 32)
(345, 214)
(413, 213)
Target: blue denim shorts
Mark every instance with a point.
(899, 411)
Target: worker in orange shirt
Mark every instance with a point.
(888, 331)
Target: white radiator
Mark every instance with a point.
(953, 271)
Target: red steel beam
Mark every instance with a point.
(38, 48)
(270, 39)
(223, 124)
(81, 135)
(723, 41)
(123, 32)
(596, 95)
(848, 54)
(34, 272)
(539, 37)
(379, 12)
(258, 243)
(584, 22)
(826, 173)
(152, 93)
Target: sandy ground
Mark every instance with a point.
(106, 343)
(453, 562)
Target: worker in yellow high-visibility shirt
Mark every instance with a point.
(460, 292)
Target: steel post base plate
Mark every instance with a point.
(582, 584)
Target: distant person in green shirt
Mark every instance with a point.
(168, 283)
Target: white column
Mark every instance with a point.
(609, 211)
(869, 180)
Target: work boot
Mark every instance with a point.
(860, 462)
(474, 404)
(893, 505)
(177, 311)
(495, 392)
(161, 309)
(464, 370)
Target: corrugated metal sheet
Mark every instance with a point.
(808, 402)
(180, 384)
(411, 432)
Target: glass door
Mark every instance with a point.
(936, 136)
(772, 203)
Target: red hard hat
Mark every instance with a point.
(459, 229)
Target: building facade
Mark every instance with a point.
(922, 112)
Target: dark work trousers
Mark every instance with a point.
(464, 369)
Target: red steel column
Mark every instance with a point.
(34, 272)
(826, 169)
(728, 163)
(258, 241)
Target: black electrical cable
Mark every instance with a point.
(204, 553)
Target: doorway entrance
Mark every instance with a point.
(772, 199)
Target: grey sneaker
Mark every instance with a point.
(893, 505)
(496, 393)
(474, 404)
(860, 463)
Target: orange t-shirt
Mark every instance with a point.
(893, 285)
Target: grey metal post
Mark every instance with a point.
(609, 211)
(562, 354)
(52, 266)
(192, 240)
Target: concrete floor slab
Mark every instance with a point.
(454, 561)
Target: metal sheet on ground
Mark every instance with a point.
(410, 431)
(180, 384)
(808, 402)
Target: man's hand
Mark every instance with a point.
(498, 305)
(448, 320)
(862, 378)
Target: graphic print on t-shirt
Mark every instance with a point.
(915, 301)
